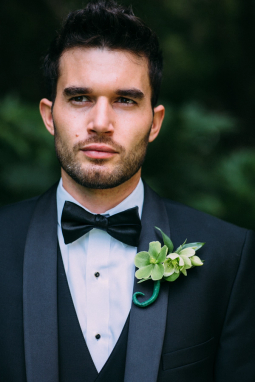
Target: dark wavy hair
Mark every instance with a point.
(105, 24)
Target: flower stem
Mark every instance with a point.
(154, 296)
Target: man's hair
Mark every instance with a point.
(105, 24)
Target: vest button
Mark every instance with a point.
(97, 336)
(97, 274)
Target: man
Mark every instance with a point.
(66, 302)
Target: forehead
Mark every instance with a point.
(95, 67)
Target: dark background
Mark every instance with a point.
(204, 156)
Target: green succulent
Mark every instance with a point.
(156, 264)
(159, 266)
(150, 263)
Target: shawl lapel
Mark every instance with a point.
(40, 292)
(147, 325)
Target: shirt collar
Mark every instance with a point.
(136, 198)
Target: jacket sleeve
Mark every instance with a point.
(235, 360)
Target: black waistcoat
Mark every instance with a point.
(75, 362)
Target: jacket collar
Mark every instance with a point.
(147, 325)
(40, 292)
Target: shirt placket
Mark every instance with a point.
(97, 296)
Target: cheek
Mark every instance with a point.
(67, 126)
(137, 129)
(64, 118)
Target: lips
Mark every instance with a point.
(99, 151)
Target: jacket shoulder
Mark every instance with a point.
(18, 210)
(227, 248)
(15, 218)
(201, 224)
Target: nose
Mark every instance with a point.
(101, 118)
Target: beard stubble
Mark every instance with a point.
(96, 175)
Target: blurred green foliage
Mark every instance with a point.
(189, 163)
(204, 156)
(28, 164)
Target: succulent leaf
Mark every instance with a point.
(154, 249)
(167, 241)
(144, 272)
(142, 259)
(157, 272)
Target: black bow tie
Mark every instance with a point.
(124, 226)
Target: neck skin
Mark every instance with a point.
(99, 201)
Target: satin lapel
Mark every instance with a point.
(40, 292)
(147, 325)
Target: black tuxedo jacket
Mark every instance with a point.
(200, 329)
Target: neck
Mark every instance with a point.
(99, 201)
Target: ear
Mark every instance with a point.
(159, 113)
(45, 110)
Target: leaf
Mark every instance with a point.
(157, 272)
(162, 255)
(183, 270)
(142, 259)
(195, 246)
(167, 241)
(178, 250)
(154, 249)
(144, 273)
(173, 277)
(142, 281)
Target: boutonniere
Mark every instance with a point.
(164, 264)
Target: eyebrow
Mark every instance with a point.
(133, 93)
(73, 91)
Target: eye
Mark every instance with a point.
(79, 99)
(126, 100)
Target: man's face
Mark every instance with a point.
(102, 116)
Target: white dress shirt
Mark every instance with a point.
(100, 273)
